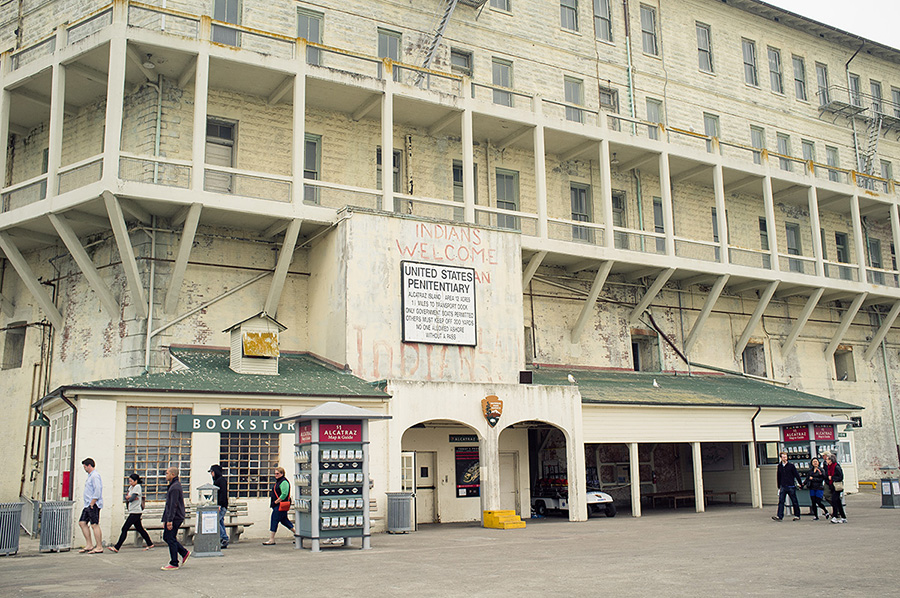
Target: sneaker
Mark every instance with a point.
(184, 560)
(796, 519)
(843, 520)
(224, 545)
(816, 518)
(149, 547)
(169, 568)
(835, 520)
(774, 518)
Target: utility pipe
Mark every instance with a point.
(152, 234)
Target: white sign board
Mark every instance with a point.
(438, 304)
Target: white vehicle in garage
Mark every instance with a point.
(597, 502)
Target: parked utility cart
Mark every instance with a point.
(552, 497)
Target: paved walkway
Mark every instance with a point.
(727, 551)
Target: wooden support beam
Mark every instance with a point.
(755, 317)
(691, 173)
(651, 294)
(30, 280)
(882, 331)
(578, 150)
(742, 182)
(281, 91)
(285, 257)
(533, 264)
(704, 313)
(126, 253)
(513, 137)
(86, 264)
(444, 122)
(188, 73)
(366, 107)
(588, 307)
(801, 320)
(133, 209)
(844, 325)
(637, 162)
(181, 260)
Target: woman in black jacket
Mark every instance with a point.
(835, 475)
(815, 481)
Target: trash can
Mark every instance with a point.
(10, 519)
(400, 513)
(890, 491)
(56, 526)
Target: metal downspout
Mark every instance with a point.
(159, 92)
(150, 293)
(631, 112)
(62, 395)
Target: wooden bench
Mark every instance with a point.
(708, 495)
(151, 519)
(688, 496)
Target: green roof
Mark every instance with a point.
(706, 390)
(208, 371)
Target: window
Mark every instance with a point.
(809, 150)
(220, 141)
(767, 453)
(842, 254)
(831, 158)
(750, 74)
(502, 5)
(844, 369)
(227, 11)
(792, 234)
(711, 129)
(602, 21)
(152, 445)
(704, 48)
(609, 99)
(784, 148)
(855, 97)
(887, 173)
(874, 251)
(757, 140)
(14, 346)
(45, 166)
(249, 458)
(620, 238)
(389, 44)
(875, 89)
(502, 72)
(648, 30)
(507, 198)
(458, 190)
(654, 115)
(309, 27)
(799, 78)
(581, 212)
(644, 351)
(659, 226)
(895, 94)
(775, 75)
(312, 164)
(824, 245)
(754, 360)
(568, 14)
(574, 89)
(764, 242)
(715, 229)
(398, 186)
(461, 62)
(822, 84)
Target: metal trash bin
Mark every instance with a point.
(56, 526)
(890, 493)
(10, 519)
(400, 513)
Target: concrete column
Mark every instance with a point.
(721, 214)
(298, 155)
(816, 230)
(699, 501)
(769, 202)
(755, 487)
(57, 114)
(95, 438)
(635, 476)
(198, 142)
(540, 169)
(489, 457)
(115, 100)
(205, 452)
(895, 225)
(665, 186)
(577, 477)
(859, 240)
(606, 192)
(387, 140)
(4, 125)
(468, 162)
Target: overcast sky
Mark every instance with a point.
(878, 20)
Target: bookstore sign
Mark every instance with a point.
(438, 304)
(232, 423)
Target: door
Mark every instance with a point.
(425, 497)
(408, 476)
(509, 482)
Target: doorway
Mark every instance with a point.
(425, 495)
(509, 482)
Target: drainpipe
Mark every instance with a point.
(630, 65)
(640, 203)
(150, 301)
(755, 473)
(62, 395)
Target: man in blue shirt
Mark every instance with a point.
(90, 515)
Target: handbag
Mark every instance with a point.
(284, 505)
(839, 486)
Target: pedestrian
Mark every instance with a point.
(281, 504)
(815, 481)
(834, 479)
(90, 515)
(173, 517)
(221, 482)
(134, 498)
(787, 476)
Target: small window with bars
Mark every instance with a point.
(249, 458)
(152, 445)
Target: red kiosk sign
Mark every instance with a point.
(795, 433)
(338, 431)
(824, 431)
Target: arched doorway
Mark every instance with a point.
(441, 466)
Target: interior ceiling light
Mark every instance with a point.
(148, 64)
(614, 160)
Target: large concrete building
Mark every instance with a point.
(699, 191)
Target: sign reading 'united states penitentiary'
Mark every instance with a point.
(438, 304)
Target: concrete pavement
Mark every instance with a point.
(727, 551)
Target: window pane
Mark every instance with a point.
(704, 48)
(502, 77)
(249, 458)
(749, 51)
(799, 78)
(775, 71)
(157, 449)
(568, 14)
(648, 30)
(602, 20)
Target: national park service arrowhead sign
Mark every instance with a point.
(492, 407)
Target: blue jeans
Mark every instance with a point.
(222, 534)
(792, 491)
(282, 518)
(175, 548)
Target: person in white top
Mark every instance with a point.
(134, 498)
(90, 515)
